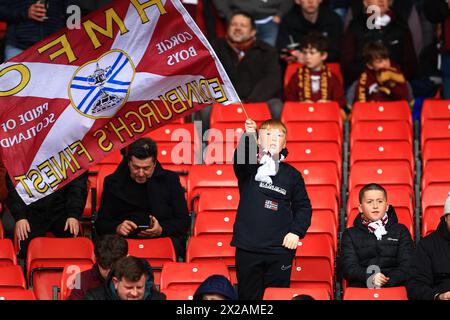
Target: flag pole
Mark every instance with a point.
(243, 108)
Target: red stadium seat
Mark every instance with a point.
(183, 275)
(213, 248)
(313, 265)
(433, 199)
(47, 257)
(259, 112)
(436, 151)
(313, 132)
(312, 112)
(70, 278)
(396, 175)
(2, 234)
(181, 154)
(325, 225)
(229, 132)
(172, 132)
(156, 251)
(179, 294)
(435, 130)
(113, 159)
(381, 112)
(380, 131)
(218, 200)
(290, 293)
(292, 68)
(313, 152)
(393, 293)
(7, 253)
(437, 173)
(323, 204)
(17, 295)
(435, 110)
(214, 223)
(207, 177)
(379, 151)
(11, 278)
(320, 176)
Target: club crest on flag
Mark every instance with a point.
(99, 88)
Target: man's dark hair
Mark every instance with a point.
(130, 268)
(110, 248)
(245, 14)
(369, 187)
(314, 40)
(374, 50)
(142, 148)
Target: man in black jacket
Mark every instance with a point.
(376, 251)
(251, 64)
(430, 266)
(58, 212)
(141, 193)
(131, 279)
(274, 210)
(307, 16)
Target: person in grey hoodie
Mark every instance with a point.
(266, 13)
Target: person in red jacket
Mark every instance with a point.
(108, 249)
(382, 80)
(314, 82)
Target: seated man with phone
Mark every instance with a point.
(143, 200)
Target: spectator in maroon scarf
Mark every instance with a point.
(108, 249)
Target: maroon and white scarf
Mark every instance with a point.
(376, 227)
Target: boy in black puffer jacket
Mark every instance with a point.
(376, 251)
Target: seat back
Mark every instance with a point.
(7, 253)
(290, 293)
(17, 294)
(312, 112)
(12, 278)
(47, 257)
(184, 275)
(258, 111)
(393, 293)
(70, 278)
(381, 112)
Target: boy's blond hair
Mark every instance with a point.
(273, 124)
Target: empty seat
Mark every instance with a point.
(323, 204)
(323, 224)
(213, 248)
(183, 275)
(70, 278)
(11, 278)
(156, 251)
(103, 172)
(319, 176)
(181, 154)
(214, 223)
(312, 152)
(313, 132)
(380, 131)
(437, 173)
(313, 265)
(312, 112)
(433, 199)
(381, 112)
(396, 175)
(435, 110)
(393, 293)
(173, 132)
(259, 112)
(7, 253)
(217, 200)
(434, 130)
(289, 293)
(47, 257)
(207, 177)
(17, 295)
(113, 158)
(436, 151)
(229, 132)
(397, 151)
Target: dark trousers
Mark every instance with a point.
(258, 271)
(39, 226)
